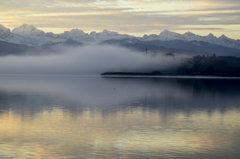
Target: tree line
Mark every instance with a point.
(208, 65)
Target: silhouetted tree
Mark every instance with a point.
(196, 63)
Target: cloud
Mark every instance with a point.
(128, 16)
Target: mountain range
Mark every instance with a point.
(28, 37)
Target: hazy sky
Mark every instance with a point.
(135, 17)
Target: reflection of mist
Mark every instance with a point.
(94, 117)
(85, 60)
(75, 93)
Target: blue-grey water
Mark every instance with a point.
(90, 117)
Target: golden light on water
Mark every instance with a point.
(57, 132)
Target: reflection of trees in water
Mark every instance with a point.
(197, 94)
(228, 87)
(166, 96)
(198, 86)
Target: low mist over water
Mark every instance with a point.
(94, 117)
(84, 60)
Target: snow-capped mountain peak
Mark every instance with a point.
(224, 40)
(77, 31)
(223, 37)
(145, 36)
(4, 32)
(165, 32)
(211, 36)
(31, 36)
(168, 35)
(149, 37)
(28, 30)
(93, 33)
(3, 29)
(74, 34)
(189, 33)
(109, 33)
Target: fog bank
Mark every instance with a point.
(86, 60)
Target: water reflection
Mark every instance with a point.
(93, 117)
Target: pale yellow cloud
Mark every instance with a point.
(136, 17)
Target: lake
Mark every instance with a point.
(91, 117)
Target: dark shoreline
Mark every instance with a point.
(201, 66)
(158, 74)
(155, 73)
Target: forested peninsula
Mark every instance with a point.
(200, 65)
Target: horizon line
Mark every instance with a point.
(119, 32)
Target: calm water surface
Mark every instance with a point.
(129, 118)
